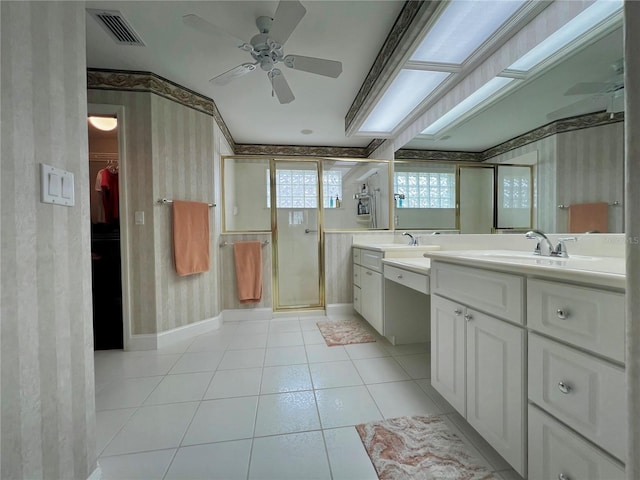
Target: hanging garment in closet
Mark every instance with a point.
(97, 209)
(110, 192)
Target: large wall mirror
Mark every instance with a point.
(566, 124)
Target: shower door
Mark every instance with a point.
(296, 224)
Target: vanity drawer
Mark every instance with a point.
(371, 259)
(586, 393)
(557, 452)
(587, 317)
(407, 278)
(499, 294)
(357, 304)
(356, 255)
(357, 274)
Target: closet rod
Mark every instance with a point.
(224, 244)
(166, 201)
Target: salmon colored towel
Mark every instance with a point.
(248, 258)
(587, 217)
(190, 237)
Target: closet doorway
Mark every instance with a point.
(105, 210)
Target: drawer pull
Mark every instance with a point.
(369, 273)
(564, 387)
(562, 313)
(468, 316)
(399, 276)
(458, 312)
(562, 476)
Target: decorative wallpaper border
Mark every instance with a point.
(105, 79)
(400, 38)
(554, 128)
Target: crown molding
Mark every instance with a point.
(300, 150)
(553, 128)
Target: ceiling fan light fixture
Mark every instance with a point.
(106, 124)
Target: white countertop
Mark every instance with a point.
(602, 271)
(397, 250)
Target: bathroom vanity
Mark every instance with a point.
(530, 350)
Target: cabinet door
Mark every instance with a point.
(371, 299)
(496, 384)
(448, 351)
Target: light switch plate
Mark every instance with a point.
(139, 218)
(56, 186)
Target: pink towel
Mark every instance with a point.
(248, 260)
(587, 217)
(190, 237)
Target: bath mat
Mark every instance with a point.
(344, 332)
(419, 448)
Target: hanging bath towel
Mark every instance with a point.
(248, 260)
(190, 237)
(589, 217)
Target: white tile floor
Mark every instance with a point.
(264, 400)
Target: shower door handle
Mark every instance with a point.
(308, 230)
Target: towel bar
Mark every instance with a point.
(224, 244)
(166, 201)
(613, 204)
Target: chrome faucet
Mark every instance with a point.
(541, 237)
(413, 242)
(559, 251)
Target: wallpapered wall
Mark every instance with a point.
(47, 383)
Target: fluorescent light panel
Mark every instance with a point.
(581, 23)
(462, 28)
(484, 92)
(404, 94)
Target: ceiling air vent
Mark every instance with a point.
(115, 24)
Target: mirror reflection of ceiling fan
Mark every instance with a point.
(267, 49)
(603, 96)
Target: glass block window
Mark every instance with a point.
(425, 189)
(516, 191)
(299, 188)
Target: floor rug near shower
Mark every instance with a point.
(419, 448)
(344, 332)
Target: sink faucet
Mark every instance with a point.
(413, 242)
(541, 237)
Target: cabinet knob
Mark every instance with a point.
(369, 273)
(564, 387)
(562, 476)
(562, 313)
(458, 312)
(468, 316)
(399, 276)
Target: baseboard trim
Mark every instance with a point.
(154, 341)
(188, 331)
(246, 315)
(340, 309)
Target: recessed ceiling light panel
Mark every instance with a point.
(462, 28)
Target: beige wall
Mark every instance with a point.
(47, 383)
(172, 151)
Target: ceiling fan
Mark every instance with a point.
(267, 49)
(605, 96)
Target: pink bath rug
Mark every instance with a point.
(344, 332)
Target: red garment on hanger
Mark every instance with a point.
(110, 195)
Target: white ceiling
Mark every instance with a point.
(349, 31)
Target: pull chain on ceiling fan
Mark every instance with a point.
(267, 49)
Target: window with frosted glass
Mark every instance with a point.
(425, 189)
(516, 191)
(299, 188)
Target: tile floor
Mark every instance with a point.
(265, 400)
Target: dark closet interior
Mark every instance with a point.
(105, 239)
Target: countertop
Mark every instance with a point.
(417, 265)
(398, 250)
(599, 271)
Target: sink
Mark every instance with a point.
(508, 255)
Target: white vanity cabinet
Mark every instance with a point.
(478, 358)
(367, 287)
(577, 386)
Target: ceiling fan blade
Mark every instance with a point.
(234, 73)
(597, 103)
(587, 88)
(280, 86)
(320, 66)
(203, 26)
(287, 17)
